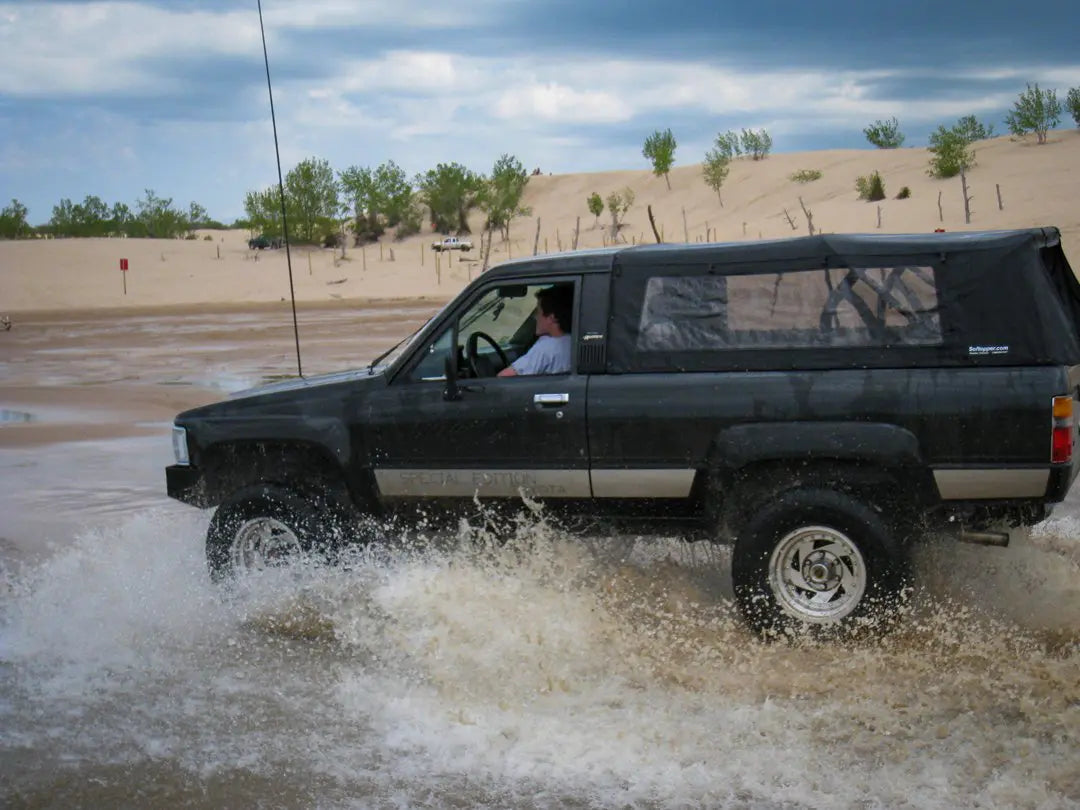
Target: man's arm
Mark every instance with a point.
(509, 371)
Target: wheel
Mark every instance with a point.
(816, 558)
(472, 354)
(263, 528)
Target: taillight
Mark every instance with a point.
(1061, 440)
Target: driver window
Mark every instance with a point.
(502, 316)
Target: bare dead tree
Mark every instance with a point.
(940, 213)
(1001, 207)
(577, 230)
(967, 197)
(652, 222)
(809, 216)
(879, 217)
(790, 221)
(685, 230)
(536, 241)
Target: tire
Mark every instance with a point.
(814, 559)
(262, 528)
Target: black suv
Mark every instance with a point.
(820, 402)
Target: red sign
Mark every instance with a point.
(123, 264)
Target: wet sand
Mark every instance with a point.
(555, 671)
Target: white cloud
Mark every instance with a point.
(556, 102)
(417, 14)
(89, 48)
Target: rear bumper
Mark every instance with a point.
(185, 483)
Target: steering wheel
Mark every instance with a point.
(472, 355)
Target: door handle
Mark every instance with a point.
(551, 399)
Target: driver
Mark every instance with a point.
(550, 354)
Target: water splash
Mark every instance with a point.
(543, 671)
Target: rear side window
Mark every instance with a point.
(871, 307)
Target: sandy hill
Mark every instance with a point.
(1039, 185)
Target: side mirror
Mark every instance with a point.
(451, 393)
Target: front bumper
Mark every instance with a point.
(185, 483)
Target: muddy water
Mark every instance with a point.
(553, 671)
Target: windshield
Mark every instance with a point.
(394, 353)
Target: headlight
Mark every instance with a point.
(179, 445)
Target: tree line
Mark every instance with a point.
(153, 216)
(319, 203)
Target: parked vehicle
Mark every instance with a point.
(451, 243)
(264, 242)
(823, 403)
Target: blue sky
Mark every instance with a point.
(111, 98)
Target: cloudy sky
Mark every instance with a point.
(111, 98)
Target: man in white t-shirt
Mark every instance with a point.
(551, 353)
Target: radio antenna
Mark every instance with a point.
(281, 194)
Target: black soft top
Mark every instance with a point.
(1003, 297)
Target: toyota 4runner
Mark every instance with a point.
(821, 403)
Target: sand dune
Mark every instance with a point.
(1040, 185)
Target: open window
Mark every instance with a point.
(495, 329)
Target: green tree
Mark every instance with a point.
(13, 223)
(950, 148)
(121, 220)
(450, 191)
(412, 217)
(197, 216)
(362, 194)
(263, 212)
(715, 170)
(158, 217)
(756, 143)
(1036, 111)
(729, 145)
(379, 198)
(501, 199)
(62, 222)
(885, 134)
(92, 217)
(395, 192)
(659, 148)
(618, 203)
(311, 197)
(971, 129)
(596, 206)
(1072, 102)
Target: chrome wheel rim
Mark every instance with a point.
(263, 542)
(817, 574)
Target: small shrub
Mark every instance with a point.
(806, 176)
(208, 238)
(905, 192)
(871, 187)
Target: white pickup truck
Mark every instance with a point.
(451, 243)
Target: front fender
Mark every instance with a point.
(326, 432)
